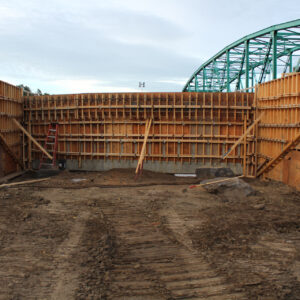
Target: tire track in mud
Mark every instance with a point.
(66, 279)
(157, 261)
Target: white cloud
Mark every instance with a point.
(8, 17)
(73, 86)
(180, 82)
(65, 46)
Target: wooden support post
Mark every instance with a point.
(23, 148)
(242, 137)
(32, 138)
(29, 165)
(245, 146)
(255, 150)
(141, 159)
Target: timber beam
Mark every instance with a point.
(7, 148)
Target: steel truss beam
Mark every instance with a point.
(253, 59)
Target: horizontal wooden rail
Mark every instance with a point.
(280, 100)
(272, 163)
(11, 106)
(112, 154)
(186, 127)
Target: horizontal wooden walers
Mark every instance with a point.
(137, 154)
(280, 100)
(140, 140)
(154, 106)
(11, 105)
(126, 121)
(186, 126)
(280, 125)
(279, 96)
(12, 100)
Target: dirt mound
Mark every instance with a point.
(250, 241)
(114, 177)
(228, 189)
(72, 239)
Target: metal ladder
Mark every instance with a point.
(50, 145)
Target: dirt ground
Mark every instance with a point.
(106, 236)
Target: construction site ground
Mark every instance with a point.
(108, 236)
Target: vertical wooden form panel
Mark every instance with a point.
(11, 106)
(187, 127)
(280, 100)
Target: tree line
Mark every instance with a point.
(28, 92)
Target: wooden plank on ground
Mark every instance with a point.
(11, 176)
(217, 181)
(22, 182)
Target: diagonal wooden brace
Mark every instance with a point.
(242, 137)
(141, 158)
(273, 162)
(32, 139)
(7, 148)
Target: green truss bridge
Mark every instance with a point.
(255, 58)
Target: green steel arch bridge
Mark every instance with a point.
(255, 58)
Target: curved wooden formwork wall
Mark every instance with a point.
(280, 101)
(11, 106)
(188, 129)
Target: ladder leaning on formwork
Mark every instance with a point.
(273, 162)
(50, 145)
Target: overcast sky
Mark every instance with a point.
(69, 46)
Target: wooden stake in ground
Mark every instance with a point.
(142, 155)
(32, 139)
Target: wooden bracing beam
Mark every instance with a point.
(7, 148)
(243, 136)
(262, 164)
(32, 139)
(23, 182)
(272, 163)
(141, 159)
(216, 181)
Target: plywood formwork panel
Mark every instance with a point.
(280, 100)
(186, 127)
(11, 106)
